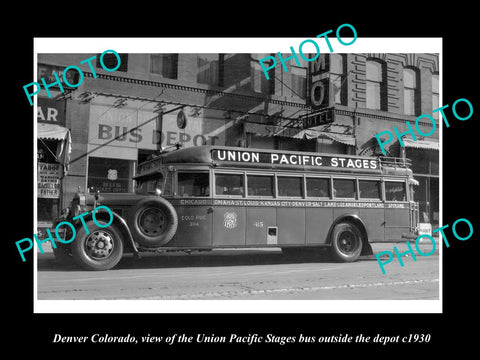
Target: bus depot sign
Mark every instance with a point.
(293, 159)
(120, 127)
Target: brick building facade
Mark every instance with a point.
(344, 99)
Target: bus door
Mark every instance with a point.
(194, 210)
(372, 210)
(397, 210)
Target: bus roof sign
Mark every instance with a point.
(294, 158)
(247, 157)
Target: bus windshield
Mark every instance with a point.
(150, 185)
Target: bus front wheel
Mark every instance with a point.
(97, 249)
(346, 244)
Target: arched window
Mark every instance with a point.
(376, 85)
(411, 94)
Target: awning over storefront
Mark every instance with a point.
(421, 144)
(312, 133)
(62, 135)
(51, 131)
(341, 138)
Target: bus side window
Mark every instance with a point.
(229, 184)
(369, 189)
(395, 191)
(290, 186)
(344, 188)
(260, 185)
(318, 187)
(193, 184)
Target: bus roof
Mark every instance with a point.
(237, 157)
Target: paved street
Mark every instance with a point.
(244, 274)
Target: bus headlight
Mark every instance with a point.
(78, 205)
(65, 213)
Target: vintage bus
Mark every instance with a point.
(207, 197)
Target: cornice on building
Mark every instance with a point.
(210, 92)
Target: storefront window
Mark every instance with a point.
(434, 201)
(46, 150)
(109, 175)
(47, 210)
(425, 164)
(421, 192)
(49, 174)
(424, 161)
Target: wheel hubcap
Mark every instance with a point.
(347, 242)
(99, 244)
(152, 221)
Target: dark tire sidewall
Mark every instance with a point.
(339, 255)
(81, 256)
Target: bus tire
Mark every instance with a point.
(346, 242)
(100, 249)
(153, 222)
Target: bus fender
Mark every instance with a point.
(119, 222)
(356, 220)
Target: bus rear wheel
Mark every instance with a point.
(346, 244)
